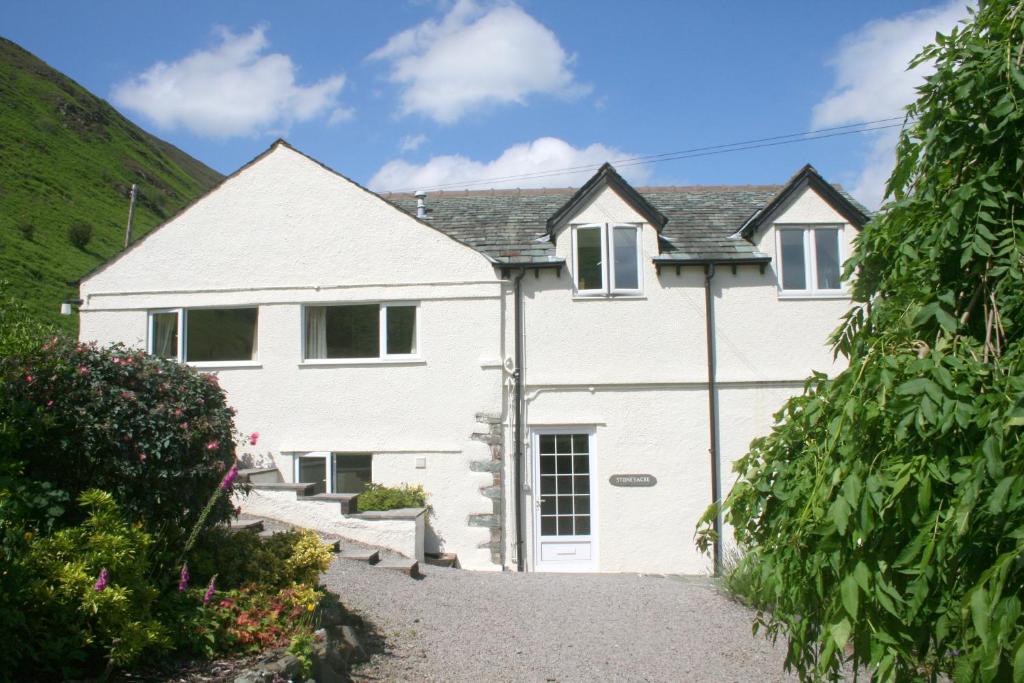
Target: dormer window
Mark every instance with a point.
(810, 260)
(606, 259)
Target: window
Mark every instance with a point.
(607, 259)
(204, 335)
(810, 260)
(360, 331)
(335, 472)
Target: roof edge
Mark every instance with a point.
(806, 177)
(606, 176)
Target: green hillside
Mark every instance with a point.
(68, 157)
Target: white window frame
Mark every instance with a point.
(608, 288)
(329, 464)
(382, 335)
(183, 341)
(810, 260)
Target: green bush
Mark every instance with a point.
(89, 599)
(154, 433)
(884, 514)
(80, 234)
(239, 559)
(27, 230)
(378, 497)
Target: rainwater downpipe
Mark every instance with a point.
(716, 486)
(520, 410)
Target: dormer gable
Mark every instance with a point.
(606, 177)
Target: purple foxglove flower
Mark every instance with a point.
(210, 590)
(229, 478)
(101, 582)
(183, 581)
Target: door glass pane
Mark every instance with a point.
(588, 259)
(165, 335)
(624, 244)
(352, 472)
(313, 470)
(401, 329)
(564, 485)
(353, 331)
(793, 275)
(826, 253)
(215, 334)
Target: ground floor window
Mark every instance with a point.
(204, 335)
(335, 472)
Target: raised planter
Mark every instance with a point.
(398, 530)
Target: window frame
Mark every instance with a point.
(608, 288)
(808, 233)
(382, 335)
(330, 464)
(182, 312)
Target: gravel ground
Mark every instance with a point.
(455, 625)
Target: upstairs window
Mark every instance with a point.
(360, 331)
(606, 259)
(810, 260)
(204, 335)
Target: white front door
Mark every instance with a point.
(565, 535)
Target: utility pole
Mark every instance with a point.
(131, 217)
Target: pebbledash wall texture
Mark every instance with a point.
(614, 346)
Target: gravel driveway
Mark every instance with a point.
(455, 625)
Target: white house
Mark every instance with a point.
(567, 373)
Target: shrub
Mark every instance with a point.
(27, 230)
(80, 234)
(89, 600)
(239, 559)
(378, 497)
(886, 508)
(155, 434)
(249, 619)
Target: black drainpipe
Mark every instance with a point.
(517, 377)
(716, 487)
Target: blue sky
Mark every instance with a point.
(422, 94)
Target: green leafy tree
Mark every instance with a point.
(883, 517)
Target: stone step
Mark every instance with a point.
(359, 555)
(299, 489)
(401, 564)
(257, 475)
(346, 501)
(442, 559)
(246, 525)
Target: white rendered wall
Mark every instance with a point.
(283, 232)
(635, 370)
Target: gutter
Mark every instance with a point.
(520, 409)
(716, 486)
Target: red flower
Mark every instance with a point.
(213, 445)
(253, 438)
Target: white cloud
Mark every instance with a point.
(872, 82)
(234, 88)
(540, 156)
(474, 58)
(411, 143)
(341, 115)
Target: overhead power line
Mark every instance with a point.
(711, 150)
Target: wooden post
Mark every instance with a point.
(131, 217)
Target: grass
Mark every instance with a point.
(68, 157)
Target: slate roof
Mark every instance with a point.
(510, 225)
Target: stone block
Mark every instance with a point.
(490, 521)
(485, 465)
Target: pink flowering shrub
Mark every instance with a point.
(156, 434)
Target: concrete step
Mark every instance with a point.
(401, 564)
(368, 556)
(346, 501)
(238, 525)
(257, 475)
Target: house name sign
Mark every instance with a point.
(639, 480)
